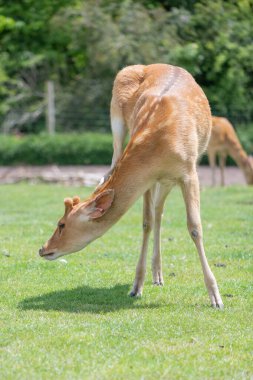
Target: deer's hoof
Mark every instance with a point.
(158, 283)
(219, 306)
(135, 294)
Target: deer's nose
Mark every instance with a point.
(41, 251)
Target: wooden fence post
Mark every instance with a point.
(50, 107)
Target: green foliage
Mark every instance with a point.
(31, 52)
(222, 31)
(245, 133)
(131, 34)
(81, 47)
(79, 149)
(75, 320)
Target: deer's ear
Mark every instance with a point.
(68, 202)
(99, 205)
(76, 200)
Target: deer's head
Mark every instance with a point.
(80, 224)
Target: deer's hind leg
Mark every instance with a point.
(190, 190)
(160, 195)
(147, 228)
(119, 131)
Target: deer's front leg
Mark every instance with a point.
(147, 227)
(190, 190)
(222, 162)
(160, 194)
(211, 159)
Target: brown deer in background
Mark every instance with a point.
(169, 120)
(224, 142)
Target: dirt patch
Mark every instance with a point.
(68, 175)
(91, 175)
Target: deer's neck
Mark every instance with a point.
(129, 180)
(239, 155)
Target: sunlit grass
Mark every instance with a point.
(75, 320)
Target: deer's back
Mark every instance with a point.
(165, 110)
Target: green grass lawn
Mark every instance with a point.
(75, 320)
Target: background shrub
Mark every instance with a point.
(76, 149)
(61, 149)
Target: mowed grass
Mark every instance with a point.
(75, 320)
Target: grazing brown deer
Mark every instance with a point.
(169, 120)
(224, 142)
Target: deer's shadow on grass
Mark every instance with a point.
(85, 299)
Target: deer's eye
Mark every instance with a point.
(61, 226)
